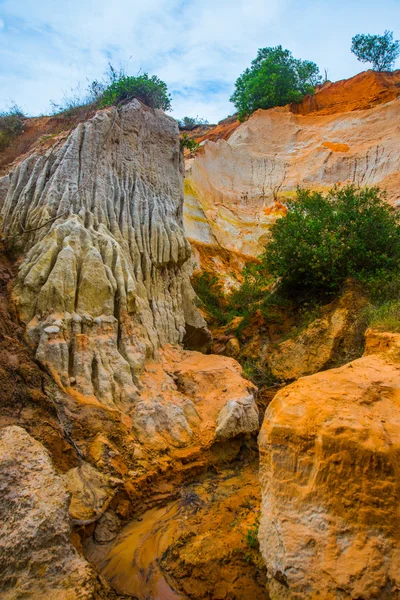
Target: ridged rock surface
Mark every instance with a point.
(104, 297)
(105, 284)
(348, 132)
(329, 465)
(37, 559)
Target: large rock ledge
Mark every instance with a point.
(330, 464)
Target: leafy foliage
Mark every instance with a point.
(325, 239)
(242, 302)
(115, 87)
(252, 534)
(379, 50)
(150, 90)
(210, 296)
(11, 125)
(186, 142)
(385, 317)
(191, 122)
(275, 78)
(259, 373)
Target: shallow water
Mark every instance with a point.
(131, 566)
(212, 559)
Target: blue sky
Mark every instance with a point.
(199, 47)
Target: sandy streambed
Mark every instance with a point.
(201, 546)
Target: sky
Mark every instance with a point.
(198, 47)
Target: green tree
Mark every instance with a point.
(192, 122)
(150, 90)
(275, 78)
(379, 50)
(322, 240)
(186, 142)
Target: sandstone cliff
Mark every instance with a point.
(103, 295)
(347, 132)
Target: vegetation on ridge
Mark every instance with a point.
(191, 122)
(379, 50)
(11, 125)
(152, 91)
(322, 240)
(275, 78)
(117, 87)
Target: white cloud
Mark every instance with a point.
(199, 47)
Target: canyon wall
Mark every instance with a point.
(102, 297)
(346, 133)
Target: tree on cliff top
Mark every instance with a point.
(275, 78)
(379, 50)
(114, 88)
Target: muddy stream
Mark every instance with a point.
(195, 547)
(131, 565)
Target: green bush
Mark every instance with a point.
(275, 78)
(210, 296)
(244, 300)
(379, 50)
(259, 373)
(186, 142)
(382, 286)
(191, 122)
(150, 90)
(11, 125)
(322, 240)
(252, 534)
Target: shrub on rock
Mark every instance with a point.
(323, 239)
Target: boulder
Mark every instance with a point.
(37, 559)
(329, 465)
(328, 341)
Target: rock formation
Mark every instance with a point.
(329, 452)
(347, 132)
(105, 280)
(37, 559)
(334, 338)
(104, 298)
(104, 283)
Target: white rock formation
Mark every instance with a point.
(105, 280)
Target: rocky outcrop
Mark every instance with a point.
(37, 559)
(104, 282)
(334, 338)
(235, 187)
(104, 300)
(330, 449)
(365, 90)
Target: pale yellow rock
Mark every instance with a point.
(91, 492)
(327, 341)
(234, 187)
(37, 559)
(106, 258)
(104, 286)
